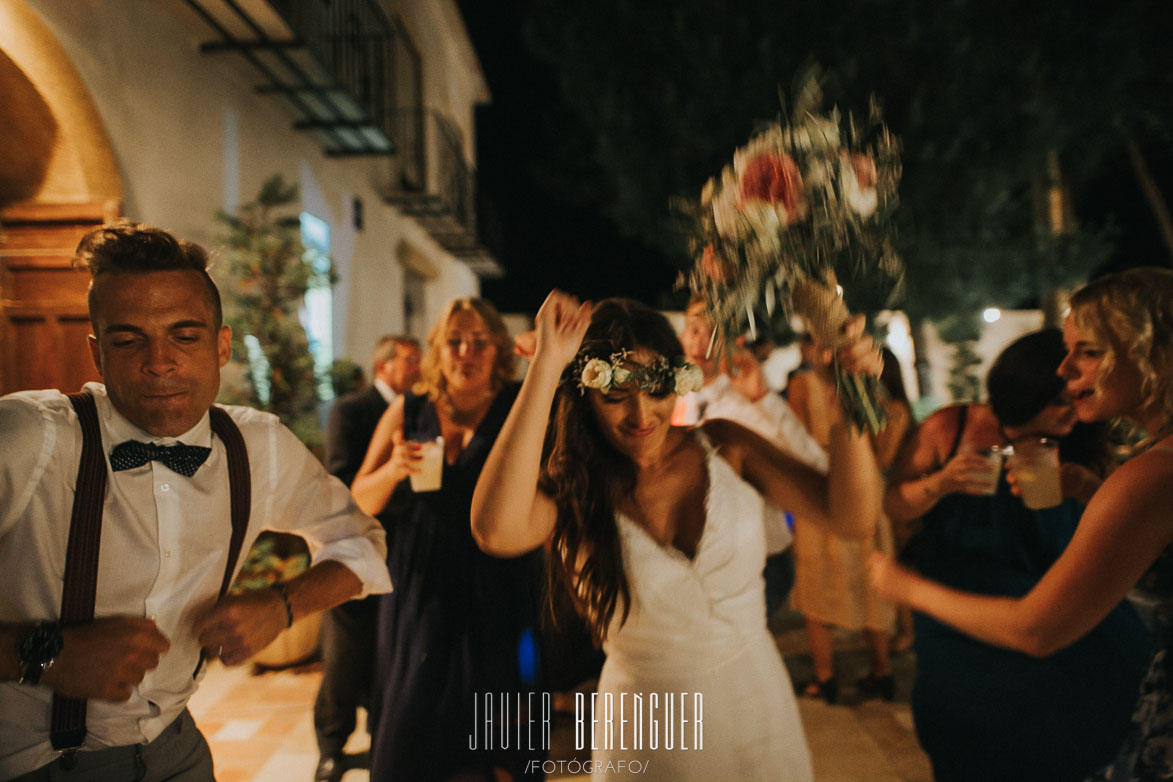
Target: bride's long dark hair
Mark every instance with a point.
(585, 474)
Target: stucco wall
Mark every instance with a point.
(453, 83)
(190, 136)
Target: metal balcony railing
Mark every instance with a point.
(354, 78)
(344, 67)
(432, 181)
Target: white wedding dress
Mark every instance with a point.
(699, 626)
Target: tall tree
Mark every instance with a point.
(983, 93)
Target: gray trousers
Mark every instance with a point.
(178, 754)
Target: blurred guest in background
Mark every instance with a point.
(451, 630)
(887, 444)
(983, 711)
(735, 389)
(348, 630)
(831, 587)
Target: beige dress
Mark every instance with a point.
(831, 583)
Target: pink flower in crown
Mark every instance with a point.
(774, 178)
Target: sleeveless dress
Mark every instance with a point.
(451, 629)
(698, 627)
(1147, 753)
(830, 572)
(982, 712)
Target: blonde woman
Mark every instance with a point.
(449, 632)
(1119, 364)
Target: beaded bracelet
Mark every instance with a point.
(288, 606)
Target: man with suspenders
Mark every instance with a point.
(123, 514)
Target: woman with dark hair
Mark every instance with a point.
(450, 631)
(657, 533)
(983, 712)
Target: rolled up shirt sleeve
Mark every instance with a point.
(308, 501)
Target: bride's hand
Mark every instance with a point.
(860, 355)
(560, 324)
(525, 343)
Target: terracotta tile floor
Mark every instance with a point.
(260, 727)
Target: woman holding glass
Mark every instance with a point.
(983, 711)
(450, 631)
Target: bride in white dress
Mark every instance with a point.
(658, 534)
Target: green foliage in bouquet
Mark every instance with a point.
(265, 257)
(804, 204)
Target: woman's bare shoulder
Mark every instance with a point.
(1155, 464)
(1140, 485)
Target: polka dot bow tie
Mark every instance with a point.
(180, 458)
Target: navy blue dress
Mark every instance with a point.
(450, 631)
(985, 713)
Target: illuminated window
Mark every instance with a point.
(318, 312)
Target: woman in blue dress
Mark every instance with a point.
(450, 632)
(1119, 365)
(983, 712)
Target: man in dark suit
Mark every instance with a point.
(396, 367)
(348, 631)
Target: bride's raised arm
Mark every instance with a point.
(509, 514)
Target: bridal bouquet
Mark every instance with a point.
(799, 201)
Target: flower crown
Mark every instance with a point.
(619, 369)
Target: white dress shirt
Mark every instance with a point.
(163, 548)
(770, 417)
(384, 390)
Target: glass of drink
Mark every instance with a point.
(431, 466)
(1035, 462)
(989, 476)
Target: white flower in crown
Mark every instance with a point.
(596, 374)
(689, 378)
(621, 376)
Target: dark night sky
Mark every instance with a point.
(544, 237)
(547, 237)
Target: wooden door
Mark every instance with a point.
(44, 321)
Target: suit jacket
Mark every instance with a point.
(349, 430)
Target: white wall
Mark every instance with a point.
(453, 81)
(191, 136)
(994, 338)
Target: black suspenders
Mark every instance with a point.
(68, 726)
